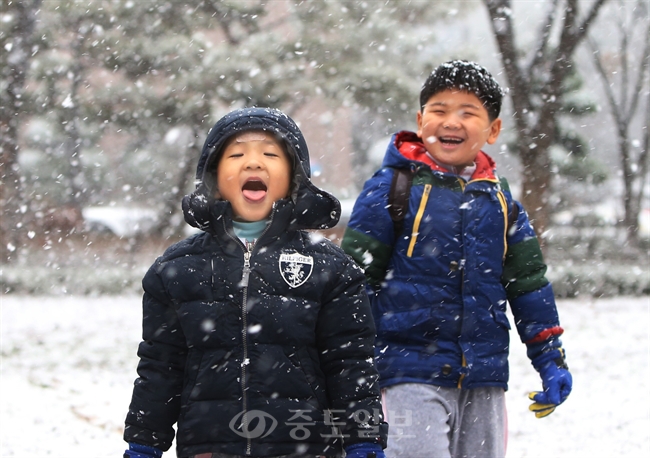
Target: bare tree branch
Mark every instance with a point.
(607, 84)
(501, 21)
(644, 156)
(643, 68)
(537, 97)
(586, 24)
(545, 34)
(635, 168)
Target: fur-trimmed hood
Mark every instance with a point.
(312, 208)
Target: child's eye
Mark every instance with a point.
(271, 154)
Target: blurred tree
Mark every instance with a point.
(575, 172)
(128, 85)
(373, 58)
(624, 70)
(18, 44)
(538, 84)
(62, 105)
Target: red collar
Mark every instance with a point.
(412, 148)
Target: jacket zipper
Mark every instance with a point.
(416, 227)
(462, 375)
(463, 362)
(502, 201)
(246, 271)
(244, 283)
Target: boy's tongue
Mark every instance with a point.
(254, 195)
(254, 190)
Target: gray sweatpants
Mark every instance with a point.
(434, 422)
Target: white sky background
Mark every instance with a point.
(68, 365)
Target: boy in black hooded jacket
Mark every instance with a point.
(257, 335)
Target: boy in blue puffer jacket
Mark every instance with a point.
(258, 336)
(439, 284)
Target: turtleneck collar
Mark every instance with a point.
(249, 230)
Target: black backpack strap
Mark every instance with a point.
(398, 198)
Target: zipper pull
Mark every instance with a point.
(247, 265)
(457, 265)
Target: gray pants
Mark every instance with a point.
(433, 422)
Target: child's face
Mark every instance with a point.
(253, 172)
(454, 125)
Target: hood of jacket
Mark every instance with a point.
(309, 206)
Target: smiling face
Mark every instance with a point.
(253, 172)
(454, 125)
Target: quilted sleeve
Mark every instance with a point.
(346, 337)
(155, 403)
(529, 292)
(369, 237)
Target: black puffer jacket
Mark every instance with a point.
(259, 352)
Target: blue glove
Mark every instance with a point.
(364, 450)
(142, 451)
(556, 380)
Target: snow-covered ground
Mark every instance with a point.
(68, 364)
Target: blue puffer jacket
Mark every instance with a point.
(264, 350)
(439, 290)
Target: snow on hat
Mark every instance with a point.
(465, 76)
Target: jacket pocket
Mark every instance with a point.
(305, 364)
(500, 318)
(212, 379)
(192, 367)
(397, 322)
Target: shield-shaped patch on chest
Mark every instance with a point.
(295, 268)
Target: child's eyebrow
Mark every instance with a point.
(444, 104)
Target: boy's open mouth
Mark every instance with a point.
(254, 190)
(450, 140)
